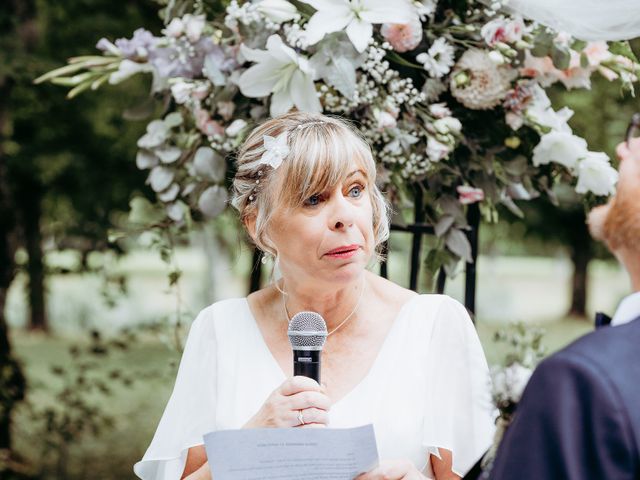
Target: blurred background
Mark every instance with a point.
(97, 326)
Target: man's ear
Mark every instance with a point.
(250, 225)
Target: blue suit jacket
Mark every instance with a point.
(579, 416)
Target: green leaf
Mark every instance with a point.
(624, 49)
(542, 44)
(58, 72)
(143, 212)
(174, 277)
(584, 60)
(561, 57)
(578, 45)
(394, 57)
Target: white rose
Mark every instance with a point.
(439, 110)
(560, 147)
(448, 125)
(436, 150)
(547, 117)
(236, 127)
(278, 11)
(596, 175)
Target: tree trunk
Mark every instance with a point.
(12, 382)
(18, 16)
(30, 199)
(580, 257)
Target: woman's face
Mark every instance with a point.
(330, 238)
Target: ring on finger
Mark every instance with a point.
(300, 418)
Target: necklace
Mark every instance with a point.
(286, 312)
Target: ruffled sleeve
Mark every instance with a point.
(460, 416)
(190, 412)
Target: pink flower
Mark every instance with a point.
(469, 195)
(501, 30)
(597, 52)
(206, 125)
(403, 36)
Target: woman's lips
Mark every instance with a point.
(343, 252)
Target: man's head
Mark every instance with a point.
(618, 222)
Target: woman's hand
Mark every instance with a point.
(282, 408)
(393, 470)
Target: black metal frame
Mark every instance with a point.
(417, 230)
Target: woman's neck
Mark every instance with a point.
(334, 304)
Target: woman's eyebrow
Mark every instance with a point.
(355, 172)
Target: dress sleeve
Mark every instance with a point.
(460, 414)
(190, 412)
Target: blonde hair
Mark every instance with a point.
(321, 151)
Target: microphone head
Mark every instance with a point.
(307, 331)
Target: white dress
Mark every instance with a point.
(429, 387)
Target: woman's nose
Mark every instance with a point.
(341, 213)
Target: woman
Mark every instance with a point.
(410, 364)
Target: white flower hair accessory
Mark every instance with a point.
(276, 149)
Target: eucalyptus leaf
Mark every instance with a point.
(209, 164)
(160, 178)
(458, 243)
(146, 159)
(213, 201)
(168, 154)
(213, 73)
(342, 76)
(444, 224)
(172, 120)
(561, 57)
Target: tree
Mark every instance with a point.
(72, 163)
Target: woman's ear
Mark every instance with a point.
(250, 225)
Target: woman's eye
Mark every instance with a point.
(313, 200)
(355, 191)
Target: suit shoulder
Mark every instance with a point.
(606, 346)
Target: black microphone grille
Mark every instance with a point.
(307, 331)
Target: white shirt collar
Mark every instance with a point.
(629, 309)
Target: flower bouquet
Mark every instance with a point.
(451, 95)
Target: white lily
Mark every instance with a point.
(356, 17)
(281, 71)
(278, 11)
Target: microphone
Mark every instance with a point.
(307, 333)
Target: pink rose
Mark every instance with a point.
(403, 36)
(469, 195)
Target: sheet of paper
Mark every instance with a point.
(291, 453)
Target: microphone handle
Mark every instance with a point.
(307, 363)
